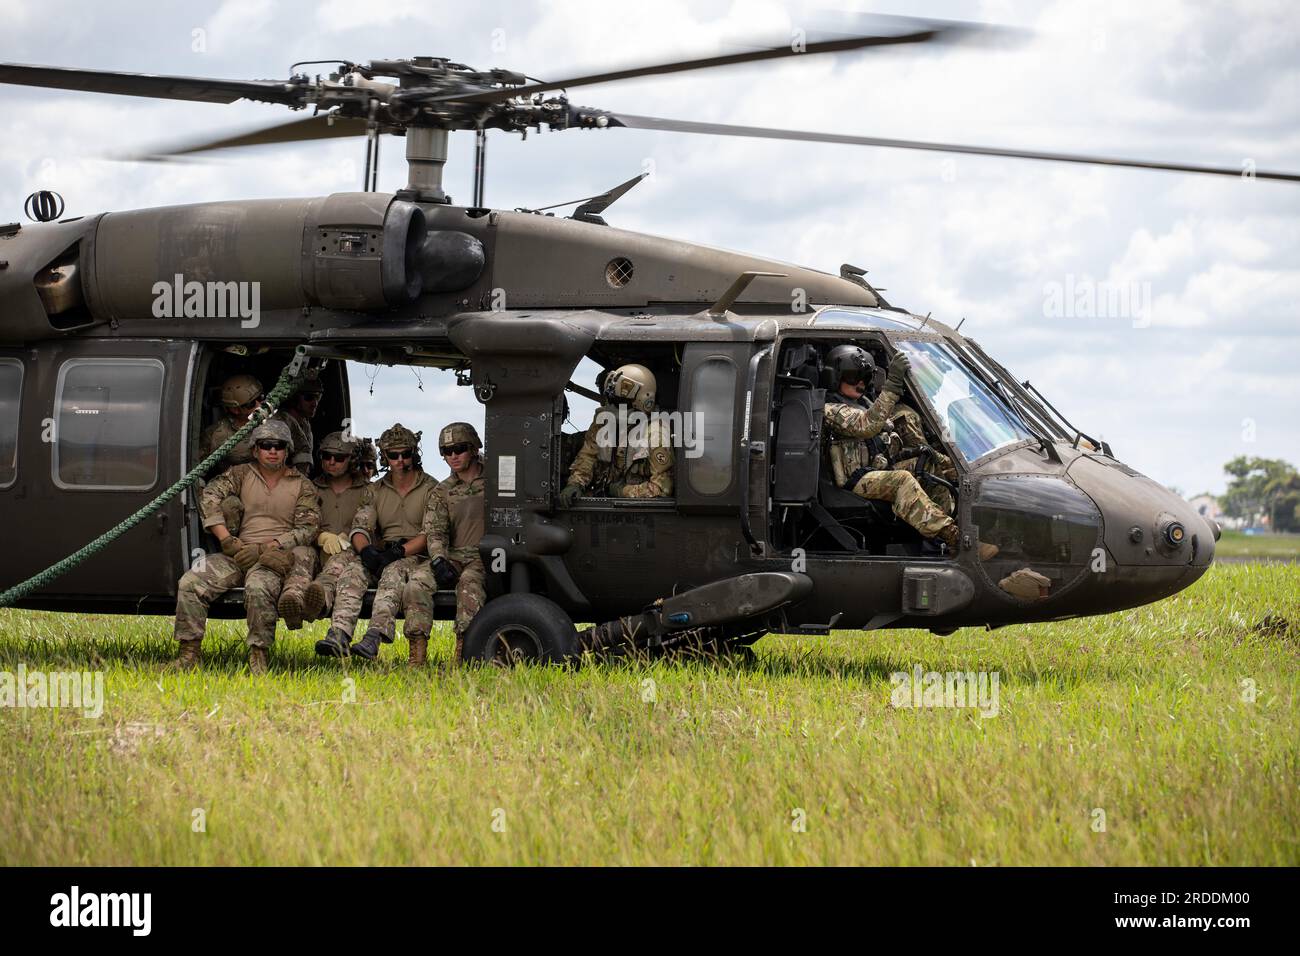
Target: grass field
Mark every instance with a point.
(1235, 544)
(1179, 722)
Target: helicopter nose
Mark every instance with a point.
(1146, 524)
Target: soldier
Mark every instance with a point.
(388, 537)
(858, 455)
(905, 422)
(367, 459)
(626, 455)
(298, 413)
(241, 395)
(339, 492)
(279, 515)
(453, 527)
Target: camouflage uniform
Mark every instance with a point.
(303, 441)
(454, 524)
(286, 514)
(391, 517)
(864, 469)
(906, 423)
(337, 510)
(216, 435)
(645, 469)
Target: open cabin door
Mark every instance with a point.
(99, 436)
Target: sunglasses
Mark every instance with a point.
(394, 455)
(268, 445)
(247, 406)
(457, 449)
(330, 456)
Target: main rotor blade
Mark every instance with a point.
(925, 31)
(193, 88)
(294, 131)
(759, 132)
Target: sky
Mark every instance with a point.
(1157, 310)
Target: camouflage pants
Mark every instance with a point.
(350, 590)
(941, 465)
(470, 591)
(214, 576)
(304, 566)
(405, 586)
(910, 503)
(331, 575)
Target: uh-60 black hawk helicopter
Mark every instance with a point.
(756, 538)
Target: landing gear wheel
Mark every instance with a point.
(521, 628)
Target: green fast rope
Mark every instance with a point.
(283, 387)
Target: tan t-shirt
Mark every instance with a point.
(286, 513)
(393, 515)
(338, 508)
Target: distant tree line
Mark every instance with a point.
(1263, 488)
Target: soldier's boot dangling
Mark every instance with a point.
(290, 607)
(368, 647)
(334, 643)
(257, 658)
(419, 651)
(313, 602)
(190, 655)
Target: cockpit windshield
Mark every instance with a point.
(976, 418)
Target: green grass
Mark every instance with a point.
(1235, 544)
(1140, 714)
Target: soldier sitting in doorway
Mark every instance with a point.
(279, 515)
(618, 459)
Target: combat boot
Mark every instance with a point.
(334, 643)
(257, 657)
(419, 651)
(190, 656)
(368, 647)
(459, 650)
(313, 602)
(290, 608)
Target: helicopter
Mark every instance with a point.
(119, 328)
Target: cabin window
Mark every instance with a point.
(107, 413)
(11, 394)
(713, 400)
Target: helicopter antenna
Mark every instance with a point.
(959, 324)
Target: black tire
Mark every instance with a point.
(521, 628)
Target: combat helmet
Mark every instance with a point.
(240, 390)
(399, 436)
(336, 443)
(310, 384)
(458, 432)
(632, 384)
(851, 363)
(274, 430)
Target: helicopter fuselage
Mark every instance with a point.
(114, 328)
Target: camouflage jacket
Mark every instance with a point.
(644, 464)
(454, 521)
(849, 429)
(286, 513)
(304, 445)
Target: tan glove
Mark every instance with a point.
(277, 560)
(247, 556)
(230, 547)
(330, 543)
